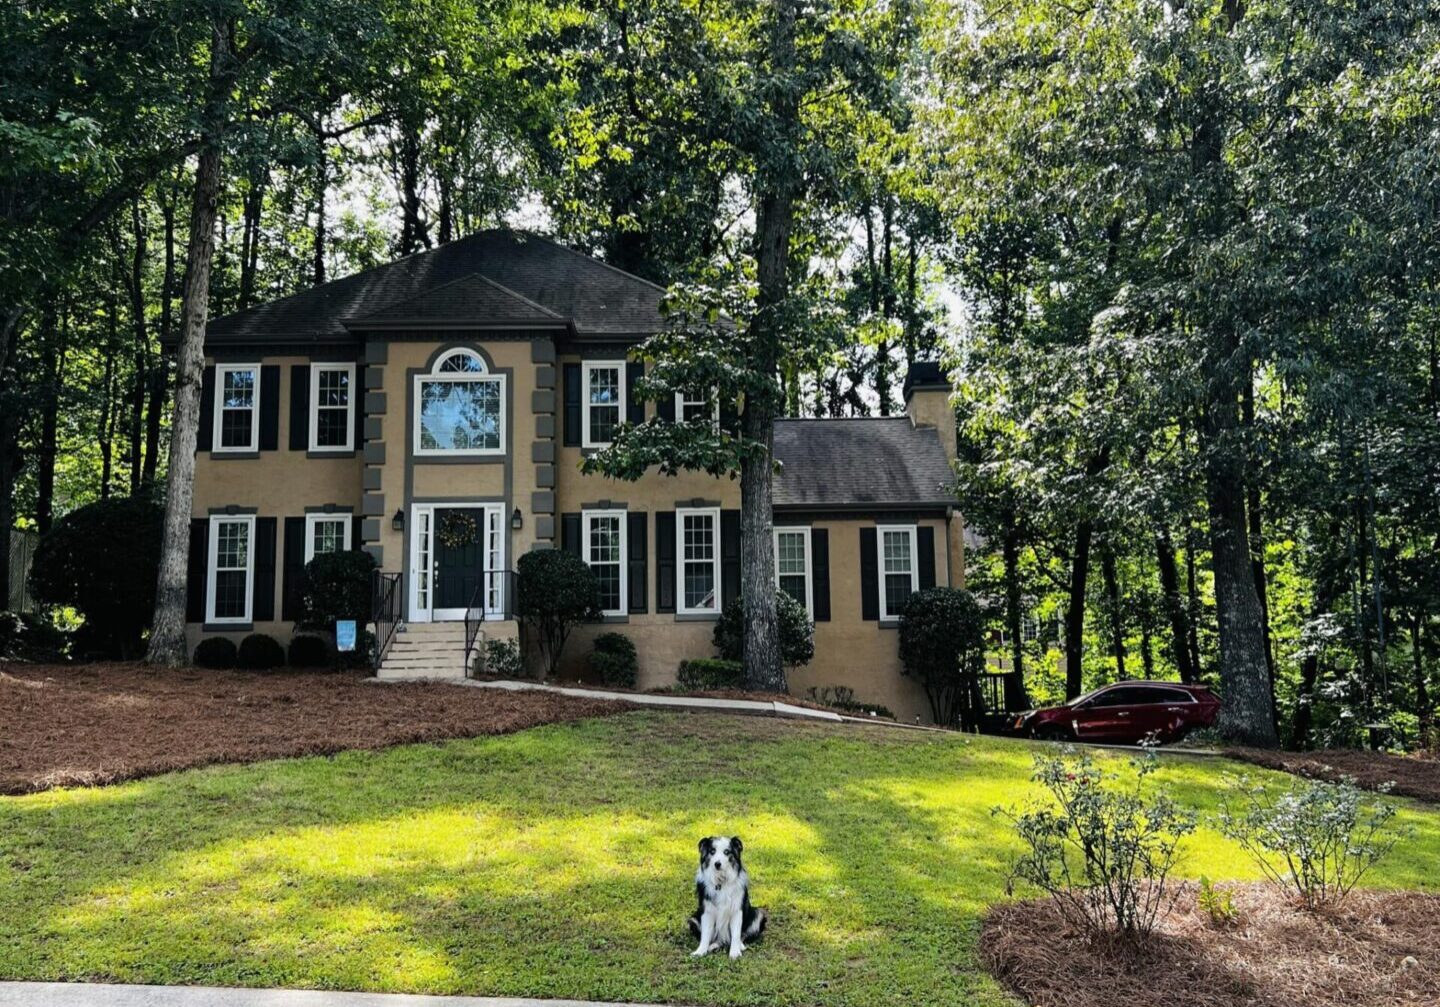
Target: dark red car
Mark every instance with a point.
(1124, 714)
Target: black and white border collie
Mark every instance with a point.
(722, 890)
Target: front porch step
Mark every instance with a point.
(436, 649)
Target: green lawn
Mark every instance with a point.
(555, 862)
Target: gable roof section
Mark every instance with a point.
(857, 462)
(596, 298)
(460, 301)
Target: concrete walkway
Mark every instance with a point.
(112, 995)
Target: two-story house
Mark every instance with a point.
(435, 412)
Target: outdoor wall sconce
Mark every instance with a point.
(517, 520)
(398, 521)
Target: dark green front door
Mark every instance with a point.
(459, 558)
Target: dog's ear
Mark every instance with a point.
(736, 845)
(707, 845)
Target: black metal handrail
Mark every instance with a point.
(478, 612)
(388, 609)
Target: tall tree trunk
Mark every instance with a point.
(9, 464)
(1257, 552)
(1147, 653)
(1014, 615)
(887, 252)
(1424, 711)
(1174, 608)
(141, 353)
(912, 306)
(1075, 611)
(322, 186)
(167, 638)
(52, 364)
(412, 227)
(252, 210)
(107, 399)
(1192, 600)
(159, 375)
(1112, 601)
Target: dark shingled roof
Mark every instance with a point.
(856, 462)
(467, 299)
(596, 298)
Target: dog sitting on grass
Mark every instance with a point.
(722, 890)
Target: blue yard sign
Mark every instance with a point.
(344, 635)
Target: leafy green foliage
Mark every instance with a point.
(259, 652)
(942, 645)
(1216, 903)
(1102, 848)
(503, 659)
(309, 651)
(710, 674)
(338, 586)
(217, 653)
(1314, 839)
(614, 660)
(797, 632)
(555, 592)
(103, 560)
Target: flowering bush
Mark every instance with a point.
(1103, 852)
(1315, 839)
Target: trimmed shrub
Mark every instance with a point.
(797, 632)
(707, 674)
(842, 697)
(554, 593)
(216, 653)
(259, 652)
(338, 585)
(942, 645)
(363, 656)
(308, 651)
(614, 660)
(503, 660)
(103, 560)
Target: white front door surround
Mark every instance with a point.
(423, 547)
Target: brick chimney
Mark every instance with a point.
(927, 402)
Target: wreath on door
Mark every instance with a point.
(457, 529)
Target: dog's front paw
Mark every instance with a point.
(736, 951)
(699, 952)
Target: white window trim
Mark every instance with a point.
(585, 366)
(585, 533)
(349, 444)
(680, 515)
(680, 409)
(911, 530)
(804, 532)
(216, 446)
(212, 558)
(311, 520)
(435, 375)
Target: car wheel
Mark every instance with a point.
(1051, 733)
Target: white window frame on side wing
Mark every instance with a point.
(586, 531)
(212, 570)
(217, 440)
(804, 532)
(913, 532)
(618, 366)
(680, 515)
(315, 407)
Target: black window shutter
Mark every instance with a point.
(820, 572)
(637, 535)
(269, 407)
(356, 544)
(294, 579)
(634, 407)
(729, 417)
(925, 545)
(729, 556)
(262, 608)
(198, 568)
(205, 435)
(665, 569)
(665, 408)
(299, 407)
(570, 534)
(570, 378)
(869, 577)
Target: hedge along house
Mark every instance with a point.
(435, 413)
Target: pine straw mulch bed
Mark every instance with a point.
(1377, 949)
(1415, 776)
(93, 724)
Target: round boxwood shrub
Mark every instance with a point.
(797, 632)
(103, 560)
(614, 660)
(215, 652)
(308, 651)
(259, 652)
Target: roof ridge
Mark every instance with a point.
(517, 295)
(466, 278)
(592, 259)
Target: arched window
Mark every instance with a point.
(460, 407)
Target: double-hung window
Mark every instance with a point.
(460, 408)
(792, 565)
(237, 407)
(325, 533)
(899, 571)
(332, 407)
(698, 548)
(690, 406)
(604, 549)
(604, 401)
(232, 569)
